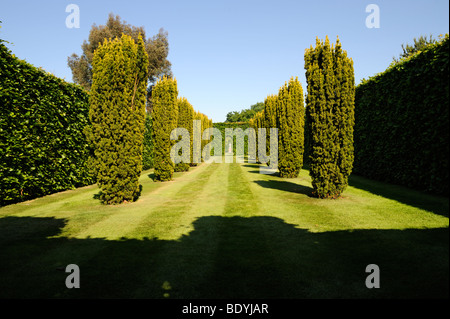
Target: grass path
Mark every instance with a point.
(226, 231)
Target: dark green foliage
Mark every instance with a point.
(290, 122)
(147, 155)
(185, 118)
(165, 119)
(42, 146)
(402, 122)
(330, 117)
(117, 113)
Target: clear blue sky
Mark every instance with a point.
(228, 55)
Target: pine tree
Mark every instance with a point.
(290, 123)
(330, 117)
(117, 115)
(165, 119)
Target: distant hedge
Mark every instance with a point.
(42, 145)
(222, 126)
(402, 122)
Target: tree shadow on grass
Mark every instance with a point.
(223, 257)
(435, 204)
(286, 186)
(252, 165)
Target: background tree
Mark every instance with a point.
(246, 114)
(330, 117)
(419, 45)
(290, 122)
(117, 115)
(165, 119)
(157, 48)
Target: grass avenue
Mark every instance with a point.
(226, 231)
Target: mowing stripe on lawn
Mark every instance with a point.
(123, 221)
(186, 261)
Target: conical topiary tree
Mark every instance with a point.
(290, 122)
(117, 115)
(330, 117)
(185, 117)
(270, 117)
(165, 119)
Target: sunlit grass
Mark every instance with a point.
(226, 231)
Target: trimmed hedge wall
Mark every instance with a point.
(402, 122)
(42, 145)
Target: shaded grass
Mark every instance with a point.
(220, 231)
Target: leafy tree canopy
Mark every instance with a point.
(419, 44)
(157, 48)
(246, 114)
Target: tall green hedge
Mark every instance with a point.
(117, 114)
(165, 119)
(330, 117)
(402, 122)
(42, 146)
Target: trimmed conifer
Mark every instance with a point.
(290, 122)
(165, 119)
(117, 115)
(258, 123)
(185, 117)
(147, 154)
(270, 117)
(330, 117)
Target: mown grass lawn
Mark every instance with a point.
(226, 231)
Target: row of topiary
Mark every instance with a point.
(118, 121)
(325, 126)
(171, 113)
(55, 136)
